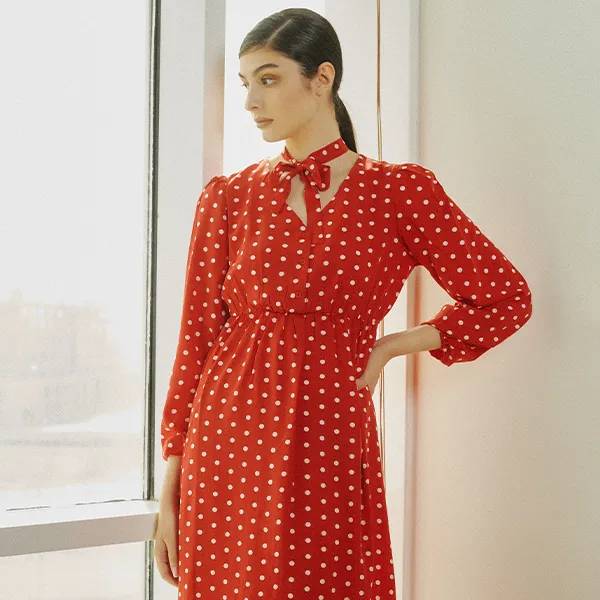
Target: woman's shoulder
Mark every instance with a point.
(258, 168)
(224, 182)
(397, 167)
(407, 175)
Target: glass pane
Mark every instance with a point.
(102, 573)
(72, 247)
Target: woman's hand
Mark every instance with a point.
(377, 360)
(165, 534)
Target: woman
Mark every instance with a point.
(274, 488)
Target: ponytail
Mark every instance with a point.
(344, 122)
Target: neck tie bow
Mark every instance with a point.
(316, 176)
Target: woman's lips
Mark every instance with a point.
(263, 122)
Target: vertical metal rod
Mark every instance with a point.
(380, 332)
(151, 249)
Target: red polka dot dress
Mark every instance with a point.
(281, 493)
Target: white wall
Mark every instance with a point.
(508, 455)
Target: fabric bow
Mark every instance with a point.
(316, 176)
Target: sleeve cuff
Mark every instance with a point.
(447, 353)
(173, 445)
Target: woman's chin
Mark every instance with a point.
(268, 136)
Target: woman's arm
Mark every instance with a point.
(417, 339)
(491, 297)
(204, 311)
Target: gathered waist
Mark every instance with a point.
(311, 329)
(257, 311)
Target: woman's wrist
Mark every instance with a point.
(174, 460)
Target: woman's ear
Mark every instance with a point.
(324, 78)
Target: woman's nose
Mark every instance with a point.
(252, 100)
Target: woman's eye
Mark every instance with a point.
(244, 85)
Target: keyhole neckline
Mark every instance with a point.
(358, 163)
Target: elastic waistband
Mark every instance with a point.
(258, 310)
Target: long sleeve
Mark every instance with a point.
(492, 298)
(204, 312)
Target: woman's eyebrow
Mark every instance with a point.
(262, 68)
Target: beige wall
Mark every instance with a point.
(508, 446)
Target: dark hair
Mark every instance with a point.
(309, 39)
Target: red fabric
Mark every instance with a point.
(315, 174)
(282, 495)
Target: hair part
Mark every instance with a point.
(309, 39)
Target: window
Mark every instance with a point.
(73, 299)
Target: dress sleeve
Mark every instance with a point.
(204, 312)
(492, 298)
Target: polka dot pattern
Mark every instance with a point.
(281, 490)
(492, 298)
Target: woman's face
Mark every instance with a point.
(277, 91)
